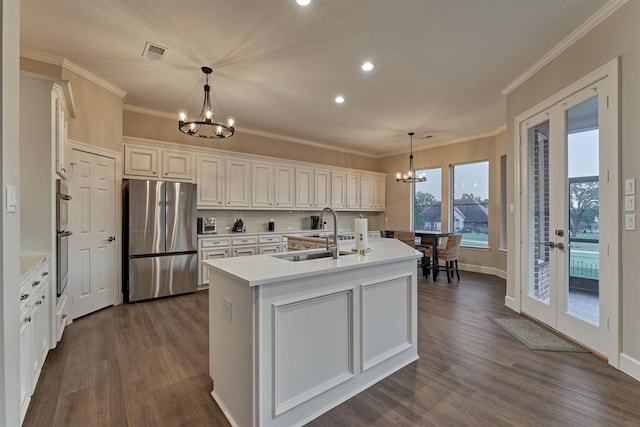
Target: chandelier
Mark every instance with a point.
(206, 126)
(410, 176)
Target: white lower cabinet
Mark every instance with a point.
(244, 246)
(35, 321)
(211, 248)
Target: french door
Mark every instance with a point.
(569, 270)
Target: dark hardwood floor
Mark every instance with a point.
(147, 365)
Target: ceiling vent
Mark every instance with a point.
(154, 52)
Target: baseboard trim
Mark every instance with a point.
(511, 303)
(630, 366)
(483, 270)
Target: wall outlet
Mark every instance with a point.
(226, 309)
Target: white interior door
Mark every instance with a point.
(569, 216)
(92, 262)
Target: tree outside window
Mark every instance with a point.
(427, 201)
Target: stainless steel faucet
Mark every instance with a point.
(334, 249)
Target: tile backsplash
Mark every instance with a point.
(257, 221)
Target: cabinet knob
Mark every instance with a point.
(38, 302)
(36, 283)
(43, 296)
(24, 297)
(64, 316)
(27, 319)
(45, 273)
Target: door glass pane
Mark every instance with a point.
(583, 173)
(538, 181)
(428, 198)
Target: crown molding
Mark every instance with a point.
(494, 132)
(588, 25)
(70, 66)
(165, 115)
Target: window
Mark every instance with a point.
(470, 210)
(427, 201)
(503, 202)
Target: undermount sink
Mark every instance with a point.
(309, 256)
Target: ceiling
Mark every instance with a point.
(440, 65)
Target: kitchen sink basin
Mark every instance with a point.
(309, 256)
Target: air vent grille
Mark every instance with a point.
(154, 52)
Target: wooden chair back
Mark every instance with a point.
(408, 237)
(450, 252)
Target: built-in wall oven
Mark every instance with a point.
(63, 235)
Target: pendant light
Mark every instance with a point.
(410, 176)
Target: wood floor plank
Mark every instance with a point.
(146, 364)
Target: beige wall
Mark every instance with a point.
(617, 36)
(98, 111)
(398, 194)
(164, 129)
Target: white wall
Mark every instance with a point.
(9, 222)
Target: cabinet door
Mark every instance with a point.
(34, 362)
(141, 161)
(210, 180)
(41, 324)
(284, 186)
(59, 125)
(304, 188)
(269, 249)
(378, 192)
(262, 185)
(366, 192)
(25, 362)
(353, 191)
(238, 183)
(206, 254)
(338, 190)
(322, 186)
(177, 165)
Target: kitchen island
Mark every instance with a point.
(292, 336)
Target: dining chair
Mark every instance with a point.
(409, 238)
(449, 254)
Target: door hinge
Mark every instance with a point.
(607, 102)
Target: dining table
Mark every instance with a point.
(432, 237)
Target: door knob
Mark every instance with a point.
(550, 244)
(111, 238)
(561, 245)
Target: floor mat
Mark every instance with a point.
(535, 336)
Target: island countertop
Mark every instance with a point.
(264, 269)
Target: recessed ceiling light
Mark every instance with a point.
(367, 66)
(303, 2)
(339, 99)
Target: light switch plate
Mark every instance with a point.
(630, 186)
(630, 222)
(630, 203)
(12, 201)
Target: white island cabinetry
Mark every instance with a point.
(290, 340)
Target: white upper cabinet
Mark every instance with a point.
(141, 161)
(366, 192)
(262, 188)
(338, 190)
(322, 185)
(284, 177)
(59, 134)
(210, 179)
(353, 191)
(238, 183)
(158, 163)
(304, 188)
(177, 165)
(379, 192)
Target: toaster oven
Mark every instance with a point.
(207, 225)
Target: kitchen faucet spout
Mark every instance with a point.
(334, 248)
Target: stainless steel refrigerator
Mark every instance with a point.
(160, 241)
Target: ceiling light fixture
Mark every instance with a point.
(339, 99)
(206, 125)
(367, 66)
(410, 176)
(303, 2)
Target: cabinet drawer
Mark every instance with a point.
(61, 317)
(244, 240)
(212, 243)
(269, 239)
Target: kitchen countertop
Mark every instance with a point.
(29, 262)
(282, 233)
(267, 269)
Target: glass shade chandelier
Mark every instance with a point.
(410, 175)
(206, 125)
